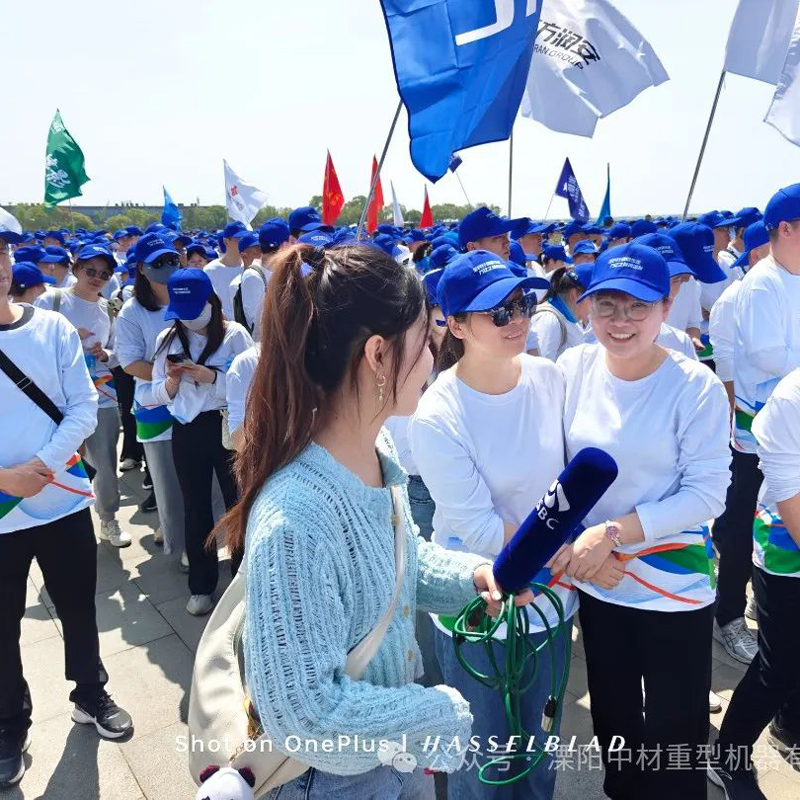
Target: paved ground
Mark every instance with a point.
(147, 642)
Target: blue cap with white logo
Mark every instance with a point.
(634, 269)
(670, 251)
(696, 242)
(150, 247)
(483, 222)
(478, 281)
(97, 251)
(318, 238)
(189, 290)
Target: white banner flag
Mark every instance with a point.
(243, 200)
(588, 61)
(759, 38)
(397, 214)
(784, 111)
(8, 222)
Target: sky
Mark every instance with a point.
(159, 92)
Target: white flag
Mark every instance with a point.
(243, 200)
(8, 222)
(759, 38)
(784, 111)
(397, 214)
(588, 61)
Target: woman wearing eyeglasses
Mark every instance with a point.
(139, 323)
(664, 419)
(488, 442)
(88, 312)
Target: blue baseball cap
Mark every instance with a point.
(134, 230)
(442, 256)
(233, 230)
(478, 281)
(273, 233)
(714, 219)
(633, 268)
(150, 247)
(483, 222)
(430, 280)
(119, 234)
(555, 252)
(197, 247)
(32, 253)
(250, 239)
(344, 236)
(54, 254)
(318, 238)
(189, 290)
(12, 237)
(155, 227)
(746, 216)
(384, 241)
(619, 230)
(696, 242)
(97, 251)
(670, 251)
(414, 235)
(305, 218)
(518, 256)
(582, 273)
(389, 229)
(784, 206)
(642, 227)
(755, 235)
(27, 275)
(585, 247)
(53, 234)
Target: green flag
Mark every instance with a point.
(63, 173)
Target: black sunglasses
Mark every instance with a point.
(503, 314)
(165, 261)
(93, 273)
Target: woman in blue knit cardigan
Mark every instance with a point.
(345, 335)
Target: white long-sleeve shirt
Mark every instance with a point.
(722, 331)
(766, 342)
(47, 348)
(668, 433)
(194, 398)
(686, 312)
(488, 459)
(253, 282)
(222, 278)
(237, 385)
(777, 429)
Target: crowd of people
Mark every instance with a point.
(275, 385)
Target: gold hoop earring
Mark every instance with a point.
(380, 384)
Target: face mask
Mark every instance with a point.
(159, 274)
(200, 322)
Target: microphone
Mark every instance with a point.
(573, 495)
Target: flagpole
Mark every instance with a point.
(463, 190)
(378, 171)
(510, 168)
(71, 218)
(705, 141)
(547, 213)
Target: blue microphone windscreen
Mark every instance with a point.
(554, 519)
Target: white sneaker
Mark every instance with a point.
(751, 610)
(128, 464)
(738, 641)
(111, 532)
(714, 703)
(183, 564)
(199, 604)
(158, 536)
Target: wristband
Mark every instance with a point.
(612, 532)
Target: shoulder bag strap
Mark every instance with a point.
(26, 385)
(57, 300)
(548, 309)
(360, 656)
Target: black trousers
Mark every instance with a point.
(67, 554)
(733, 537)
(124, 384)
(198, 453)
(771, 686)
(652, 748)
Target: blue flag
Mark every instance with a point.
(605, 211)
(455, 163)
(461, 68)
(171, 215)
(568, 187)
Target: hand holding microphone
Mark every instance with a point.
(492, 594)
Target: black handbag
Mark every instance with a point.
(36, 395)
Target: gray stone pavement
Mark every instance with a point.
(147, 641)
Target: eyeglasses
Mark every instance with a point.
(93, 273)
(503, 314)
(636, 310)
(165, 261)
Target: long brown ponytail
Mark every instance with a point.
(320, 308)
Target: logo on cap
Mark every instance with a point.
(488, 266)
(625, 262)
(181, 290)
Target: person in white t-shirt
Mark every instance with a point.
(28, 281)
(488, 442)
(83, 306)
(766, 345)
(190, 367)
(228, 266)
(663, 419)
(57, 260)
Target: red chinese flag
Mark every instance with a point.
(332, 197)
(427, 215)
(376, 204)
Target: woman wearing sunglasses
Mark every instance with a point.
(488, 442)
(83, 306)
(664, 419)
(139, 323)
(189, 377)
